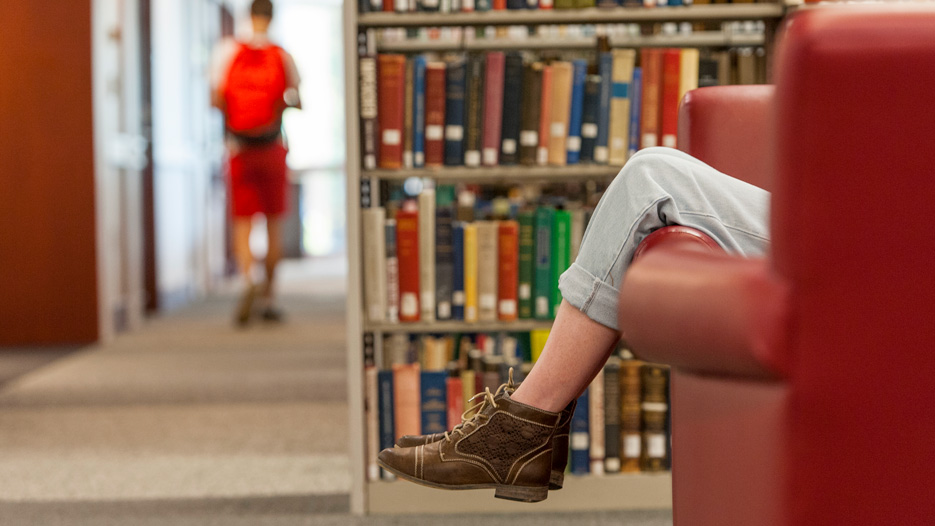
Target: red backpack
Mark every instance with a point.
(254, 91)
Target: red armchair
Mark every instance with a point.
(803, 383)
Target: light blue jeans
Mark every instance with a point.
(660, 187)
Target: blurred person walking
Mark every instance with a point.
(252, 83)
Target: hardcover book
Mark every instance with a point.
(542, 286)
(407, 252)
(655, 407)
(391, 77)
(457, 274)
(573, 142)
(589, 116)
(474, 111)
(545, 116)
(669, 112)
(427, 254)
(580, 437)
(368, 111)
(630, 422)
(606, 68)
(444, 257)
(597, 426)
(487, 271)
(508, 254)
(435, 114)
(408, 114)
(454, 397)
(454, 112)
(407, 414)
(560, 112)
(612, 415)
(561, 253)
(470, 272)
(620, 105)
(651, 64)
(374, 251)
(418, 114)
(372, 417)
(493, 107)
(636, 102)
(527, 262)
(529, 135)
(387, 409)
(392, 272)
(512, 103)
(689, 73)
(433, 401)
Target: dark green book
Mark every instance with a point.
(474, 109)
(561, 252)
(542, 285)
(529, 119)
(527, 266)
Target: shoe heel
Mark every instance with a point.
(556, 480)
(522, 493)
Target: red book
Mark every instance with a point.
(435, 114)
(407, 412)
(508, 278)
(545, 117)
(407, 254)
(388, 5)
(651, 62)
(493, 108)
(455, 400)
(669, 112)
(499, 5)
(391, 89)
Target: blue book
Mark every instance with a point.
(573, 144)
(580, 439)
(592, 91)
(636, 102)
(433, 401)
(418, 111)
(386, 408)
(455, 86)
(606, 69)
(457, 275)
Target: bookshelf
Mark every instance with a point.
(608, 492)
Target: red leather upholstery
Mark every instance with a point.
(804, 382)
(690, 237)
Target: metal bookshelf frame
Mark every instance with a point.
(618, 491)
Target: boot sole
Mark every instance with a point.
(501, 491)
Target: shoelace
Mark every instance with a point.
(476, 409)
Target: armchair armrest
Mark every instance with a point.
(708, 312)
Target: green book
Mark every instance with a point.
(585, 3)
(564, 4)
(561, 252)
(527, 265)
(542, 285)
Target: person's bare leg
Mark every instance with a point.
(273, 256)
(242, 254)
(576, 350)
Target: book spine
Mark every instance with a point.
(596, 422)
(368, 112)
(483, 5)
(508, 254)
(651, 61)
(427, 254)
(388, 5)
(392, 272)
(454, 113)
(589, 116)
(545, 117)
(434, 405)
(387, 409)
(690, 64)
(457, 273)
(612, 409)
(407, 253)
(564, 4)
(455, 400)
(408, 114)
(561, 253)
(372, 417)
(493, 107)
(546, 5)
(561, 108)
(630, 397)
(575, 117)
(577, 232)
(655, 407)
(581, 4)
(434, 114)
(529, 134)
(527, 265)
(669, 114)
(580, 437)
(620, 105)
(468, 387)
(499, 5)
(374, 250)
(537, 339)
(418, 125)
(444, 261)
(487, 272)
(428, 5)
(516, 4)
(512, 103)
(542, 287)
(390, 92)
(407, 414)
(636, 102)
(606, 68)
(470, 273)
(474, 112)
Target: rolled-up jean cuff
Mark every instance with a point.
(590, 295)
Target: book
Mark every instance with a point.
(454, 396)
(408, 114)
(578, 224)
(392, 272)
(596, 422)
(620, 104)
(542, 283)
(669, 104)
(457, 271)
(545, 116)
(454, 112)
(470, 272)
(580, 438)
(407, 253)
(508, 255)
(418, 112)
(560, 111)
(529, 134)
(388, 5)
(487, 272)
(537, 339)
(651, 64)
(407, 414)
(374, 255)
(368, 111)
(612, 415)
(391, 76)
(561, 253)
(746, 66)
(483, 5)
(513, 76)
(468, 386)
(575, 117)
(630, 415)
(516, 4)
(493, 108)
(372, 418)
(564, 4)
(690, 64)
(491, 375)
(444, 251)
(589, 117)
(655, 407)
(474, 109)
(433, 387)
(386, 411)
(435, 114)
(635, 106)
(428, 5)
(427, 253)
(606, 69)
(707, 72)
(527, 263)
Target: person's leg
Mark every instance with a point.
(273, 256)
(658, 187)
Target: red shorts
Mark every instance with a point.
(258, 180)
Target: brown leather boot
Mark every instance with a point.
(506, 445)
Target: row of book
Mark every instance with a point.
(421, 264)
(621, 423)
(496, 108)
(467, 6)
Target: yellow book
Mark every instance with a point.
(467, 386)
(618, 141)
(537, 339)
(470, 272)
(688, 71)
(561, 110)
